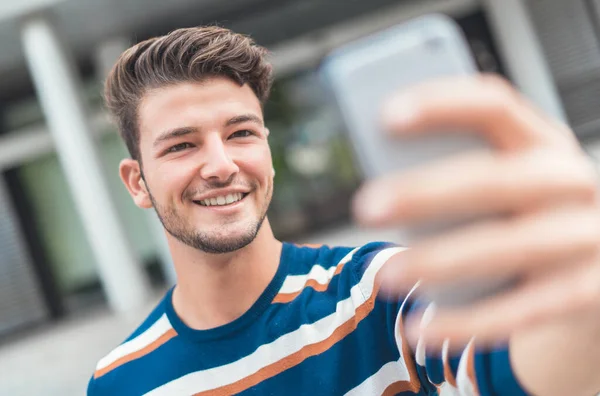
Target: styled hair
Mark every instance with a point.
(184, 55)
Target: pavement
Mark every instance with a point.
(58, 359)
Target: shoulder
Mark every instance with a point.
(299, 256)
(154, 332)
(347, 265)
(371, 257)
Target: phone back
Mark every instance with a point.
(364, 73)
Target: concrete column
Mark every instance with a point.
(58, 90)
(523, 55)
(106, 55)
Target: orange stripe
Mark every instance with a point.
(283, 298)
(338, 269)
(448, 374)
(471, 367)
(312, 283)
(398, 387)
(137, 354)
(298, 357)
(407, 354)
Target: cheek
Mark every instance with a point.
(173, 177)
(256, 162)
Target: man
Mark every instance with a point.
(252, 315)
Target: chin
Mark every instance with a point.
(227, 238)
(236, 231)
(225, 245)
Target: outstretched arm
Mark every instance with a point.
(538, 176)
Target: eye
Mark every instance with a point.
(178, 147)
(241, 133)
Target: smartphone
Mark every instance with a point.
(362, 74)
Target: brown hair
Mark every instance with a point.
(190, 54)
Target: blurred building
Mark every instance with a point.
(71, 238)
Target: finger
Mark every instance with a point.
(475, 184)
(485, 105)
(575, 289)
(497, 249)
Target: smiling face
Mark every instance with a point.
(207, 166)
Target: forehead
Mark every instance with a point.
(194, 104)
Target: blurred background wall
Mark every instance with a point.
(71, 240)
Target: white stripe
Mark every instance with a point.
(390, 372)
(376, 384)
(399, 318)
(295, 283)
(160, 327)
(349, 256)
(463, 382)
(448, 390)
(420, 354)
(421, 350)
(282, 347)
(446, 357)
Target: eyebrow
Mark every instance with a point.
(174, 133)
(182, 131)
(244, 118)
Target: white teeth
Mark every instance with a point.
(222, 200)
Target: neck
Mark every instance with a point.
(215, 289)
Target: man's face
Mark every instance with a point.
(206, 163)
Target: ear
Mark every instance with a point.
(131, 175)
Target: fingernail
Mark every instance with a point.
(399, 112)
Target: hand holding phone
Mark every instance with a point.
(363, 74)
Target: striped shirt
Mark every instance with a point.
(317, 329)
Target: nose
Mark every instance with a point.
(217, 164)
